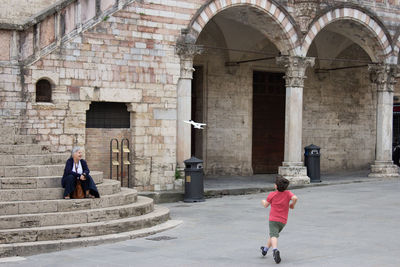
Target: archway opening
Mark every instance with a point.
(339, 112)
(235, 81)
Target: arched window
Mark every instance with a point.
(43, 91)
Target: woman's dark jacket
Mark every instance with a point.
(85, 172)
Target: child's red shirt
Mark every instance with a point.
(279, 205)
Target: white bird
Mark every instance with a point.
(196, 125)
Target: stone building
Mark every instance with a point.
(268, 77)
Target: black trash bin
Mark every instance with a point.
(194, 180)
(312, 161)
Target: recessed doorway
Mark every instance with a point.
(268, 121)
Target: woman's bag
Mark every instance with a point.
(78, 192)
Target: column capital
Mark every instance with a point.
(186, 49)
(383, 75)
(295, 69)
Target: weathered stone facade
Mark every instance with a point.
(142, 53)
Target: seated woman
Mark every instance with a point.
(76, 169)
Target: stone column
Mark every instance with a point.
(293, 168)
(383, 77)
(186, 49)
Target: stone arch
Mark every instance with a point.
(358, 15)
(396, 47)
(279, 15)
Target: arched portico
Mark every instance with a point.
(275, 24)
(357, 32)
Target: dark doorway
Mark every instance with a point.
(268, 121)
(197, 111)
(107, 115)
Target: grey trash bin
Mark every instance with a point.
(312, 157)
(194, 180)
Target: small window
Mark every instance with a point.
(43, 91)
(107, 115)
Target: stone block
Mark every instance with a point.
(32, 248)
(103, 215)
(69, 18)
(87, 93)
(7, 208)
(76, 217)
(10, 195)
(72, 205)
(88, 10)
(164, 114)
(20, 183)
(18, 237)
(106, 4)
(120, 95)
(44, 182)
(22, 171)
(47, 31)
(37, 207)
(59, 233)
(6, 160)
(7, 135)
(50, 170)
(5, 43)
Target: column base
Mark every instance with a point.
(296, 173)
(384, 169)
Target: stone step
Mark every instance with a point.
(32, 248)
(24, 139)
(124, 197)
(24, 160)
(159, 215)
(24, 149)
(32, 170)
(108, 187)
(143, 206)
(40, 182)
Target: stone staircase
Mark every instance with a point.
(34, 218)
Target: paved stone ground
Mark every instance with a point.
(339, 225)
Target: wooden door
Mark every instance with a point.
(268, 121)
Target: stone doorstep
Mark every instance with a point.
(40, 182)
(125, 196)
(108, 187)
(24, 149)
(33, 170)
(159, 215)
(142, 206)
(40, 159)
(31, 248)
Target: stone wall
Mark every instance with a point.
(340, 117)
(128, 57)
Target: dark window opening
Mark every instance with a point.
(107, 115)
(43, 91)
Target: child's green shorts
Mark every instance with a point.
(275, 228)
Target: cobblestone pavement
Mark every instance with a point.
(339, 225)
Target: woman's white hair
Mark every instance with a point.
(75, 149)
